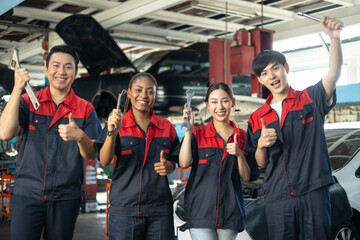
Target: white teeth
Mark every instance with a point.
(275, 83)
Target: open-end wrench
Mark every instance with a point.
(15, 64)
(117, 108)
(189, 95)
(312, 18)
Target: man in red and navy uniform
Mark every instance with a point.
(287, 137)
(56, 137)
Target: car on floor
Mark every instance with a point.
(343, 142)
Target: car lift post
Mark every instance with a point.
(237, 60)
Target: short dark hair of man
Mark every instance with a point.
(265, 58)
(63, 49)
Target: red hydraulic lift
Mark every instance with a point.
(226, 61)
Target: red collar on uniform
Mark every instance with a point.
(210, 130)
(129, 120)
(293, 94)
(69, 101)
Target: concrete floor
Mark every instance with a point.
(90, 226)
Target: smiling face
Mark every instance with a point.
(274, 78)
(219, 105)
(61, 71)
(142, 94)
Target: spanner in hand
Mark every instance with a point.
(186, 123)
(14, 64)
(117, 108)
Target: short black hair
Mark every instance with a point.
(63, 49)
(265, 58)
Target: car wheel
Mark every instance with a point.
(346, 231)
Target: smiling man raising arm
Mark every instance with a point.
(287, 136)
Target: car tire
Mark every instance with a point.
(345, 231)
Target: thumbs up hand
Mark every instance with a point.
(233, 148)
(268, 136)
(164, 167)
(70, 132)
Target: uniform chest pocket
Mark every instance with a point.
(206, 156)
(38, 129)
(304, 116)
(162, 144)
(129, 146)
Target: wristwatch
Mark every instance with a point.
(109, 133)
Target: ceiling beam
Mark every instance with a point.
(290, 3)
(132, 10)
(122, 40)
(170, 34)
(40, 14)
(166, 33)
(8, 44)
(196, 21)
(349, 16)
(90, 3)
(28, 50)
(346, 3)
(268, 11)
(24, 52)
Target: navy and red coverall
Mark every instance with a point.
(213, 195)
(299, 160)
(49, 169)
(136, 188)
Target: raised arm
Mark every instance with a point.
(185, 155)
(107, 151)
(332, 27)
(9, 120)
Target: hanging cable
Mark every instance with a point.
(262, 13)
(225, 40)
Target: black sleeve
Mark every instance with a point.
(175, 150)
(101, 139)
(23, 114)
(318, 95)
(250, 140)
(254, 168)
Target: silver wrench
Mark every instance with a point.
(312, 18)
(117, 108)
(189, 95)
(15, 64)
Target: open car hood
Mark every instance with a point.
(97, 50)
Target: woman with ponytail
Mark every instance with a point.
(141, 205)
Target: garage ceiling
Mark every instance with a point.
(141, 26)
